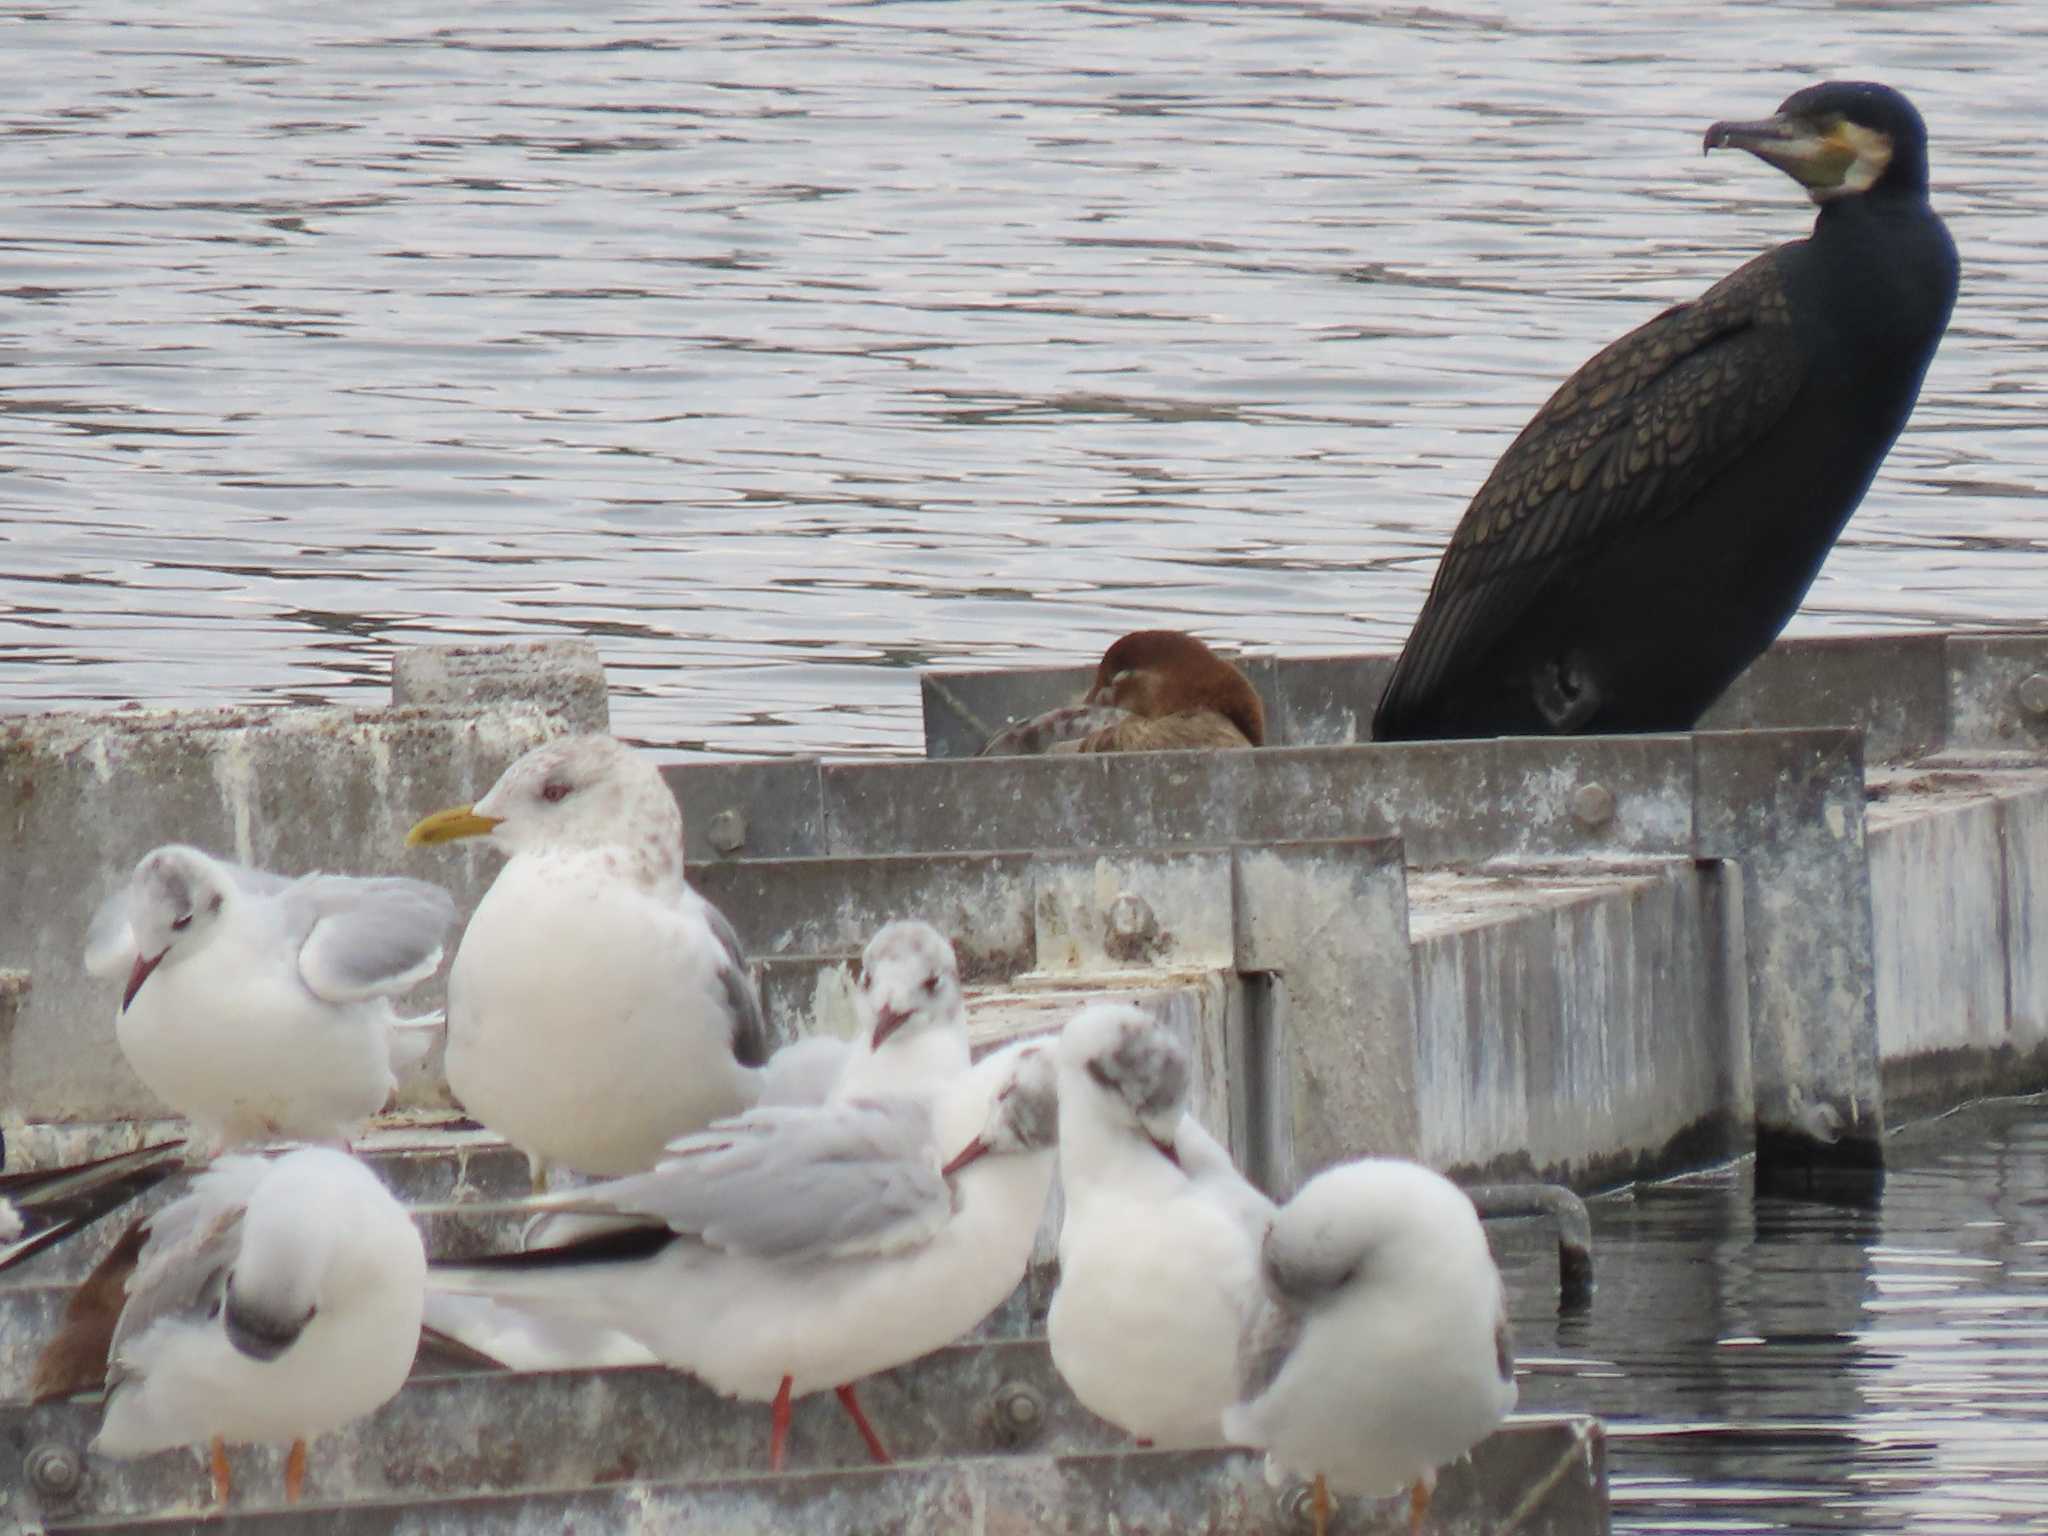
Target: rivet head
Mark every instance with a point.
(1592, 806)
(1298, 1507)
(2033, 692)
(1020, 1411)
(55, 1471)
(1130, 918)
(728, 830)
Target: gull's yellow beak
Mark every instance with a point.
(457, 821)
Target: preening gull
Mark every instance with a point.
(259, 1006)
(276, 1301)
(1159, 1246)
(809, 1247)
(1380, 1350)
(598, 1007)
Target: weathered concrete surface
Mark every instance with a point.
(1955, 857)
(1536, 1476)
(293, 790)
(1549, 1004)
(1787, 809)
(563, 678)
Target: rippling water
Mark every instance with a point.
(785, 349)
(1780, 1366)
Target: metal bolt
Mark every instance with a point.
(1592, 806)
(2034, 693)
(54, 1470)
(1020, 1412)
(1298, 1507)
(728, 830)
(1131, 920)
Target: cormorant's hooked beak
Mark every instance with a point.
(977, 1148)
(1825, 159)
(446, 826)
(144, 964)
(887, 1021)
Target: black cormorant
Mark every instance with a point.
(1656, 524)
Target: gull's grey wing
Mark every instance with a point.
(750, 1041)
(797, 1183)
(367, 938)
(192, 1245)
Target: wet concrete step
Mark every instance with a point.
(1535, 1477)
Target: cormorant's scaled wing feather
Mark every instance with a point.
(1632, 438)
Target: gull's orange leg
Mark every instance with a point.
(295, 1472)
(778, 1437)
(851, 1404)
(217, 1462)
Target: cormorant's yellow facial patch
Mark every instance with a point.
(1829, 156)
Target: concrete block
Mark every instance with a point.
(1788, 808)
(84, 796)
(1937, 894)
(562, 677)
(981, 901)
(768, 808)
(962, 710)
(1998, 693)
(2023, 827)
(1568, 1027)
(1330, 918)
(1895, 687)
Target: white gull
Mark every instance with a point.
(598, 1007)
(1380, 1350)
(274, 1302)
(1159, 1245)
(259, 1006)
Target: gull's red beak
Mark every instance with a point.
(887, 1021)
(967, 1154)
(144, 964)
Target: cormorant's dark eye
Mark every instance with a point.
(553, 791)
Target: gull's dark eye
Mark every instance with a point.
(931, 983)
(180, 924)
(554, 790)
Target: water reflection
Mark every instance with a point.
(1783, 1366)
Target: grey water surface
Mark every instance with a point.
(1778, 1365)
(783, 348)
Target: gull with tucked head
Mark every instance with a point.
(598, 1007)
(1380, 1349)
(274, 1302)
(258, 1005)
(1159, 1246)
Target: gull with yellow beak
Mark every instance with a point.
(598, 1007)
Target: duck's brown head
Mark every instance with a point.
(1159, 672)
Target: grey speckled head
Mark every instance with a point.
(1129, 1054)
(1026, 1115)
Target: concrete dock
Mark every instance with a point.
(1575, 960)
